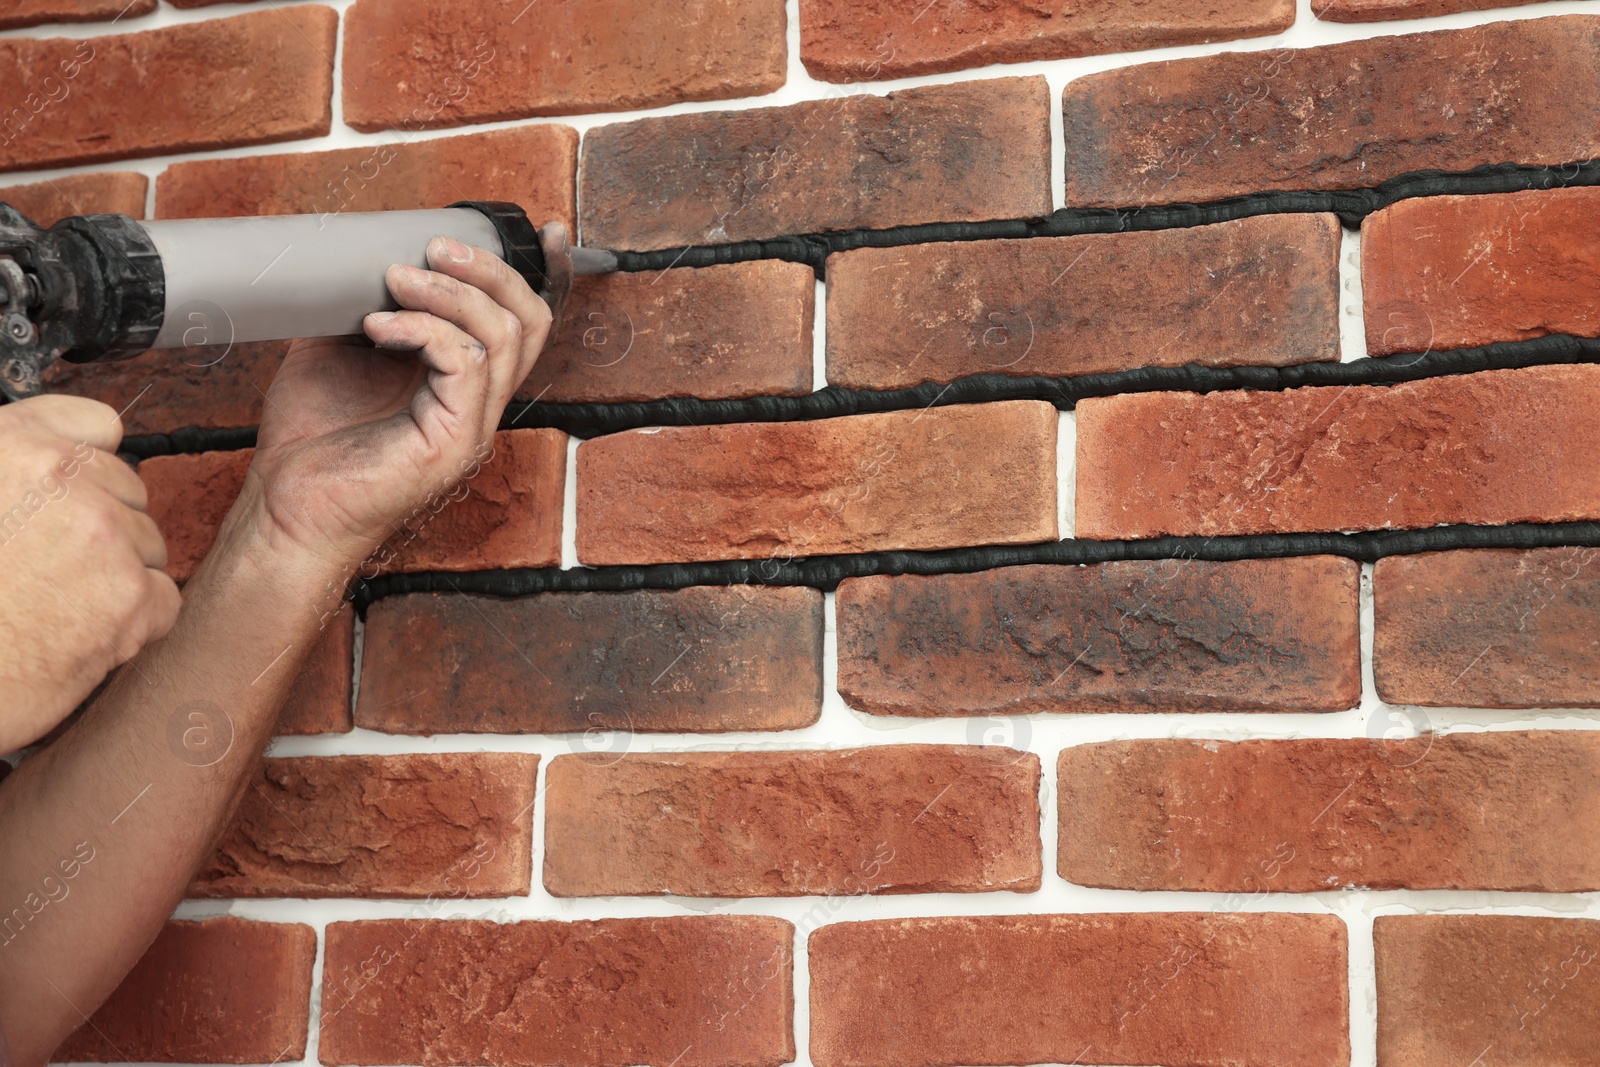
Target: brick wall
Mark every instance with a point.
(1159, 809)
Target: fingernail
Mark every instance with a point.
(381, 318)
(454, 250)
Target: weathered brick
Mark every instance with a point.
(1490, 628)
(21, 13)
(705, 658)
(1340, 116)
(887, 819)
(219, 387)
(222, 83)
(1206, 989)
(1503, 810)
(119, 192)
(319, 701)
(223, 990)
(1171, 635)
(851, 41)
(534, 167)
(1508, 990)
(718, 333)
(411, 64)
(1454, 449)
(1257, 291)
(509, 517)
(1379, 10)
(453, 825)
(962, 152)
(1458, 271)
(699, 991)
(859, 483)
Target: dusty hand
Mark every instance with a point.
(81, 585)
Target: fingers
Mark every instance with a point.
(162, 602)
(117, 478)
(141, 533)
(75, 418)
(517, 304)
(456, 397)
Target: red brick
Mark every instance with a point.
(1491, 628)
(693, 660)
(1202, 989)
(718, 333)
(854, 484)
(319, 701)
(510, 517)
(534, 167)
(1378, 10)
(1459, 271)
(1257, 291)
(1514, 811)
(21, 13)
(1341, 116)
(119, 192)
(846, 41)
(888, 819)
(963, 152)
(220, 991)
(1508, 990)
(412, 64)
(698, 991)
(1454, 449)
(213, 387)
(454, 825)
(223, 83)
(1172, 635)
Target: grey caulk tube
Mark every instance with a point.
(288, 276)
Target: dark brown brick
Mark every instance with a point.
(411, 64)
(1508, 990)
(1458, 271)
(113, 192)
(718, 333)
(216, 387)
(962, 152)
(1378, 10)
(1170, 635)
(1243, 990)
(887, 819)
(319, 701)
(850, 41)
(1257, 291)
(706, 658)
(451, 825)
(220, 991)
(221, 83)
(1503, 810)
(21, 13)
(1340, 116)
(532, 166)
(698, 991)
(859, 483)
(1491, 628)
(1455, 449)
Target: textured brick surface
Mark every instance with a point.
(888, 819)
(1340, 116)
(190, 495)
(1503, 810)
(1211, 989)
(220, 991)
(1496, 628)
(1170, 635)
(852, 40)
(221, 83)
(1456, 271)
(116, 192)
(20, 13)
(706, 658)
(319, 701)
(1257, 291)
(215, 387)
(1512, 990)
(1456, 449)
(974, 150)
(1376, 10)
(450, 825)
(534, 167)
(854, 484)
(736, 330)
(701, 991)
(412, 64)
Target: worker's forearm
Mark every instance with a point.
(102, 832)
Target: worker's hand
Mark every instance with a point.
(81, 585)
(354, 438)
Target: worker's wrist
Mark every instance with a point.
(253, 550)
